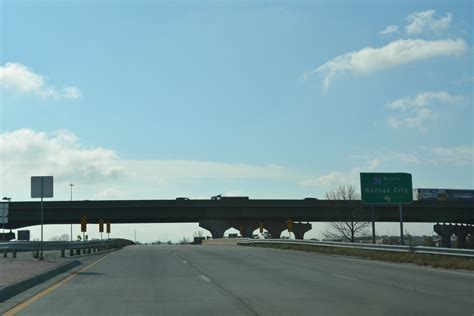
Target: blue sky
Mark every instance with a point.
(155, 99)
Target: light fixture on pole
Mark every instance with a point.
(71, 185)
(3, 216)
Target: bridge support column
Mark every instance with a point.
(248, 227)
(461, 233)
(215, 226)
(71, 252)
(445, 232)
(275, 228)
(299, 229)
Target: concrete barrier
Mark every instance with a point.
(13, 289)
(221, 241)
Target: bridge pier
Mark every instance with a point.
(275, 228)
(299, 229)
(446, 231)
(217, 227)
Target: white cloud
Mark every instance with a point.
(417, 112)
(25, 153)
(109, 194)
(335, 178)
(394, 54)
(421, 22)
(462, 155)
(390, 29)
(19, 78)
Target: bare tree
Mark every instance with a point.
(357, 225)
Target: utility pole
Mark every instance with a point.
(71, 185)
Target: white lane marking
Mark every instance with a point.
(205, 278)
(345, 277)
(184, 261)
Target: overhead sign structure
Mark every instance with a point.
(386, 188)
(42, 187)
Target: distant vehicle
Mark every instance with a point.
(311, 199)
(182, 198)
(443, 195)
(216, 197)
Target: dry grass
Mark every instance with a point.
(448, 262)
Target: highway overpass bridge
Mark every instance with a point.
(218, 215)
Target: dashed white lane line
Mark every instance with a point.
(184, 261)
(205, 278)
(345, 277)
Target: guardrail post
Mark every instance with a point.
(63, 253)
(5, 253)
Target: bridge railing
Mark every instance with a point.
(77, 247)
(396, 248)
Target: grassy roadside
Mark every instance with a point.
(448, 262)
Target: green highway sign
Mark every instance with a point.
(386, 188)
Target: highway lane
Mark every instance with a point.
(232, 280)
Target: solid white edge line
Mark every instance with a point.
(345, 277)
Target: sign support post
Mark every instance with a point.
(41, 187)
(373, 224)
(42, 194)
(401, 225)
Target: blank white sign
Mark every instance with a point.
(41, 187)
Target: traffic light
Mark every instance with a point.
(101, 226)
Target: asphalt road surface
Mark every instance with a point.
(234, 280)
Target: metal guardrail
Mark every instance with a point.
(36, 246)
(395, 248)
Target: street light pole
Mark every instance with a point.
(71, 185)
